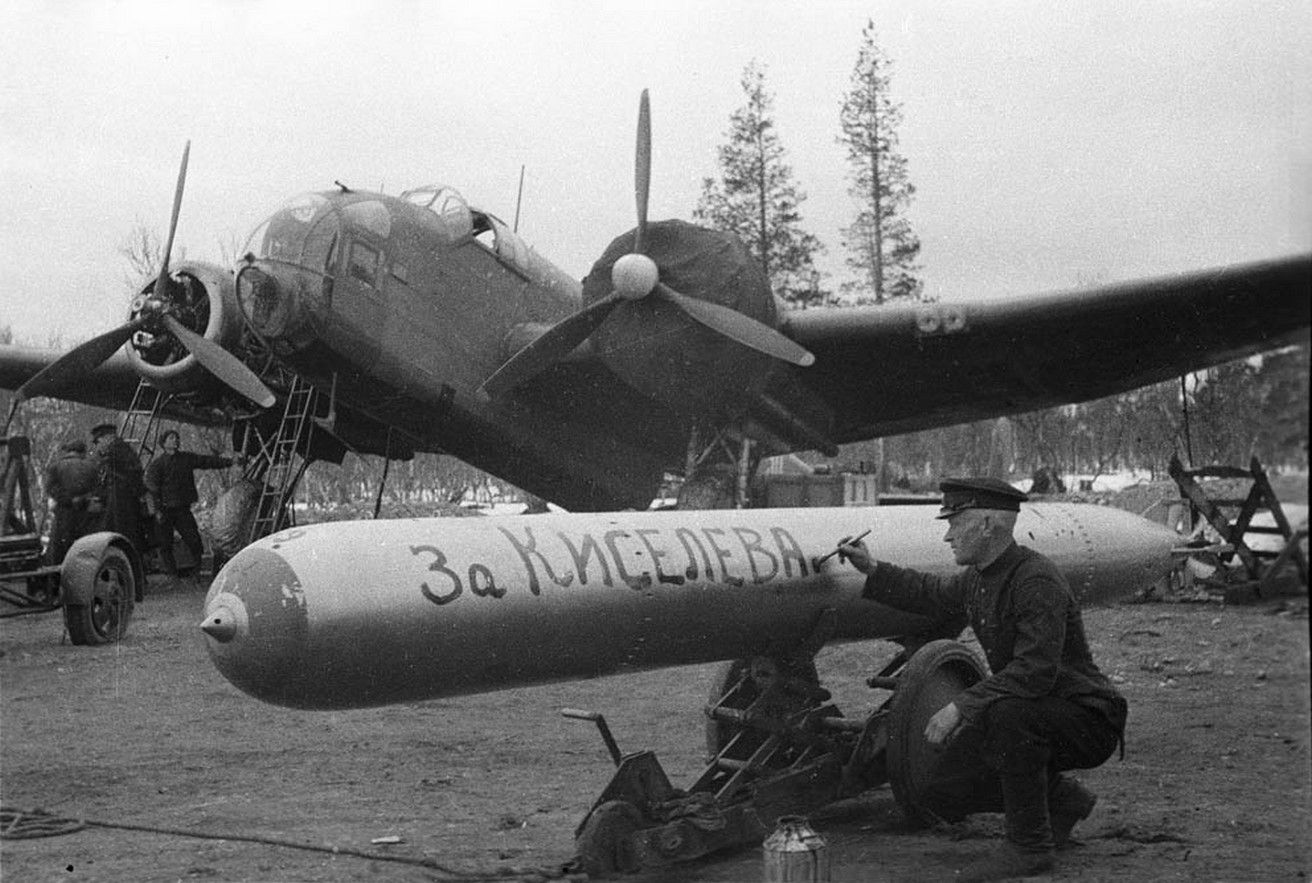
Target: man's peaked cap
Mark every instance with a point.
(960, 494)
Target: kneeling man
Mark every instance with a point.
(1044, 708)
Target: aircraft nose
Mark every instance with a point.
(266, 305)
(256, 627)
(280, 300)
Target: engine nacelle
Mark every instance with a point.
(203, 297)
(664, 354)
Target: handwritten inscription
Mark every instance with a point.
(447, 586)
(637, 558)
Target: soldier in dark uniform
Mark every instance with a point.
(171, 489)
(70, 481)
(120, 490)
(1044, 708)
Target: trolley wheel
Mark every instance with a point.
(605, 845)
(936, 674)
(104, 620)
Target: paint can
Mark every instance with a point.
(795, 853)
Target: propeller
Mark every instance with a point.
(633, 277)
(155, 315)
(221, 363)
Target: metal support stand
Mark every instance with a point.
(1260, 565)
(778, 747)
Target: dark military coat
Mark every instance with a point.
(170, 479)
(1026, 619)
(122, 491)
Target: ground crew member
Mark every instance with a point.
(1044, 708)
(120, 490)
(70, 481)
(170, 491)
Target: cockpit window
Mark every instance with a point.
(448, 211)
(364, 263)
(372, 216)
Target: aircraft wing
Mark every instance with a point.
(111, 385)
(889, 370)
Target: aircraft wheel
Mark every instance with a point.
(935, 675)
(605, 845)
(104, 618)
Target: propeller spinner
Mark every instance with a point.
(156, 315)
(635, 276)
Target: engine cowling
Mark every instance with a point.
(203, 297)
(662, 353)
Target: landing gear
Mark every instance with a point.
(718, 471)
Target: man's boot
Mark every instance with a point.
(1028, 850)
(1069, 803)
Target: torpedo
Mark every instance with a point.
(369, 613)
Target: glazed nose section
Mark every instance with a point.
(268, 306)
(256, 627)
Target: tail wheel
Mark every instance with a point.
(104, 620)
(936, 674)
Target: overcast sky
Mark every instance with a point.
(1050, 145)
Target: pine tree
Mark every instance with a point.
(755, 197)
(881, 244)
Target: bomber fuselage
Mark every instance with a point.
(404, 305)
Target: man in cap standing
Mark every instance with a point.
(1044, 708)
(121, 490)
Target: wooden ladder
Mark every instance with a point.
(1261, 565)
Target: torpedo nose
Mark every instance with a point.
(256, 626)
(225, 619)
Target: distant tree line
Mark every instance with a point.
(1226, 415)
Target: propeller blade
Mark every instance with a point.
(222, 364)
(75, 364)
(642, 169)
(555, 344)
(735, 326)
(161, 283)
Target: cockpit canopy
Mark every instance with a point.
(306, 229)
(449, 214)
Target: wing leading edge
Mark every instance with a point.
(110, 385)
(889, 370)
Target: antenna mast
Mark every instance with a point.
(519, 198)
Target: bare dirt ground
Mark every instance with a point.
(145, 735)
